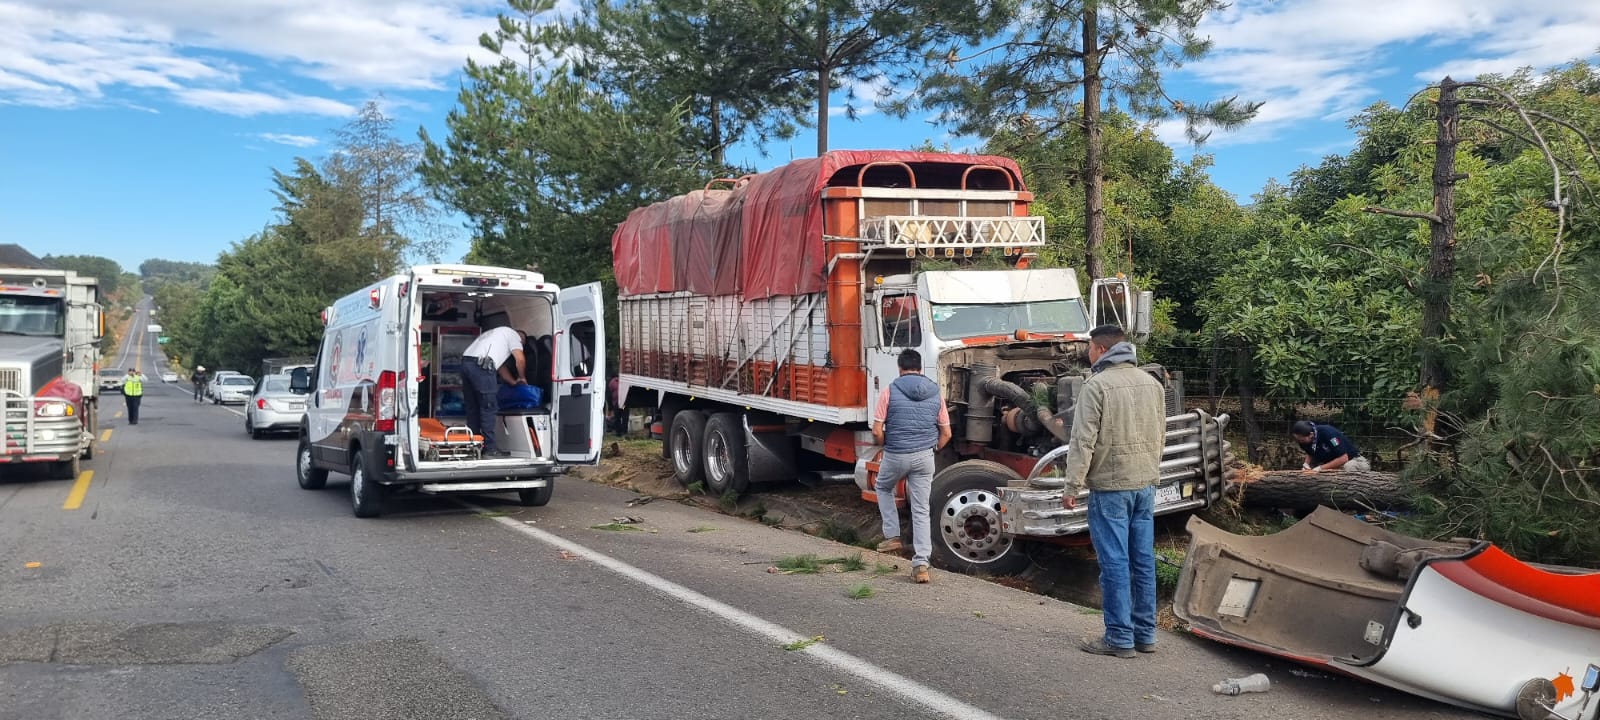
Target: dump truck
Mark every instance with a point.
(50, 330)
(760, 316)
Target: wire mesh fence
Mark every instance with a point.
(1226, 378)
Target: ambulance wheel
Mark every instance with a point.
(366, 495)
(966, 520)
(305, 471)
(685, 441)
(726, 467)
(537, 497)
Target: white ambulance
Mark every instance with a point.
(385, 399)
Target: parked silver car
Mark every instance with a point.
(233, 389)
(274, 407)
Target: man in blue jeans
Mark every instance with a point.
(483, 365)
(911, 422)
(1118, 429)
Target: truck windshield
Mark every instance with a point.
(953, 321)
(28, 315)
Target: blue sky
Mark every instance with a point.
(139, 129)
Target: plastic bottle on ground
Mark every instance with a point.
(1238, 686)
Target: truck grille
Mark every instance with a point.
(10, 380)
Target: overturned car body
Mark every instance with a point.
(1460, 622)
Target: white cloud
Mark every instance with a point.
(291, 140)
(1320, 59)
(246, 103)
(62, 53)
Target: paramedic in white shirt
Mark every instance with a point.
(480, 363)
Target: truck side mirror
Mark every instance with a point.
(300, 380)
(1143, 321)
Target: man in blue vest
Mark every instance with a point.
(910, 421)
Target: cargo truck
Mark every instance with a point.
(760, 315)
(50, 330)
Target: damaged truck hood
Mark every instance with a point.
(1460, 622)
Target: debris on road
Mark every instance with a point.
(1257, 683)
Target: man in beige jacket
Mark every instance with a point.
(1118, 430)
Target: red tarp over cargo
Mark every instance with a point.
(761, 239)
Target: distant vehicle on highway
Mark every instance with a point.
(233, 389)
(110, 379)
(273, 407)
(169, 377)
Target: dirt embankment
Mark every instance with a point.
(837, 512)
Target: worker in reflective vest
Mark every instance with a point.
(133, 393)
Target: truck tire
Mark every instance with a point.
(685, 442)
(366, 495)
(90, 423)
(537, 497)
(305, 471)
(966, 520)
(725, 466)
(67, 469)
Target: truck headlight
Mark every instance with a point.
(53, 409)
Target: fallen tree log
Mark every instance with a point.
(1339, 489)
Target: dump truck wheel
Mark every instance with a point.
(68, 469)
(726, 467)
(685, 442)
(309, 476)
(966, 520)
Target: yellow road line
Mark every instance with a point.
(79, 490)
(106, 436)
(118, 414)
(138, 359)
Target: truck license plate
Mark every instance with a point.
(1167, 494)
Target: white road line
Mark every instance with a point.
(909, 690)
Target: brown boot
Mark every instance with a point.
(919, 575)
(891, 546)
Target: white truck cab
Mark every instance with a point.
(385, 397)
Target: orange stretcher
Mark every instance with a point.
(447, 442)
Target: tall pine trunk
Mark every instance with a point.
(1441, 256)
(824, 79)
(719, 153)
(1094, 209)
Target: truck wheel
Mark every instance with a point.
(366, 495)
(726, 467)
(685, 441)
(90, 423)
(966, 520)
(310, 476)
(537, 497)
(68, 469)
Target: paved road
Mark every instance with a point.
(197, 580)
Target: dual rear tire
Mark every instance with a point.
(710, 450)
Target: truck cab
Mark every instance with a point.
(50, 327)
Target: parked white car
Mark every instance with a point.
(216, 381)
(233, 389)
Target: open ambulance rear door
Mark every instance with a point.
(579, 374)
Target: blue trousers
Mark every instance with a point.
(1122, 525)
(482, 400)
